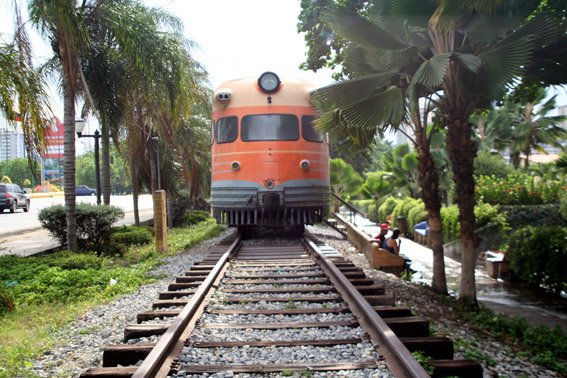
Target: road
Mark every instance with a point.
(20, 221)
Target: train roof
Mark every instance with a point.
(246, 92)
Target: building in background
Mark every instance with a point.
(11, 140)
(52, 157)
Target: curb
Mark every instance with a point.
(46, 195)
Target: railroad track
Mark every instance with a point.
(298, 308)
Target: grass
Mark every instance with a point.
(52, 290)
(546, 346)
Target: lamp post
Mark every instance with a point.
(79, 127)
(155, 140)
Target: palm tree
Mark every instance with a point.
(62, 23)
(345, 181)
(402, 163)
(456, 56)
(22, 91)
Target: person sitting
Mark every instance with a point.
(381, 237)
(391, 243)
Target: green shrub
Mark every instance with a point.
(484, 213)
(132, 235)
(195, 216)
(94, 224)
(373, 213)
(403, 208)
(180, 204)
(519, 216)
(363, 204)
(538, 256)
(415, 215)
(487, 164)
(387, 207)
(6, 301)
(519, 189)
(563, 206)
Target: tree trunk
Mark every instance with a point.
(462, 152)
(105, 163)
(429, 182)
(69, 164)
(153, 165)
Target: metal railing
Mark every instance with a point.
(351, 209)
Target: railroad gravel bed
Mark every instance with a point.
(381, 372)
(503, 360)
(259, 318)
(278, 355)
(276, 295)
(214, 334)
(262, 305)
(276, 286)
(83, 339)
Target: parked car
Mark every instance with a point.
(13, 197)
(83, 190)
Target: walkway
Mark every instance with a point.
(495, 294)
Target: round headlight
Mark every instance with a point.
(235, 165)
(304, 164)
(269, 82)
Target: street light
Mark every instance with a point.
(155, 140)
(79, 127)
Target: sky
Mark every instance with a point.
(234, 39)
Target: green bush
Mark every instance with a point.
(519, 189)
(363, 204)
(403, 208)
(519, 216)
(6, 301)
(373, 213)
(415, 215)
(94, 224)
(387, 207)
(132, 235)
(487, 164)
(538, 256)
(563, 206)
(195, 216)
(485, 214)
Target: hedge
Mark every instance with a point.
(387, 207)
(94, 225)
(195, 216)
(403, 208)
(132, 235)
(484, 213)
(538, 256)
(519, 189)
(519, 216)
(416, 214)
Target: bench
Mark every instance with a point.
(421, 233)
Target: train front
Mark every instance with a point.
(269, 166)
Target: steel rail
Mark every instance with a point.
(154, 361)
(398, 358)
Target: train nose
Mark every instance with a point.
(271, 200)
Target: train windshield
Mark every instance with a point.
(270, 127)
(226, 129)
(308, 130)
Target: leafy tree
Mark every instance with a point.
(345, 181)
(19, 170)
(487, 164)
(377, 186)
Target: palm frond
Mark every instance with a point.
(432, 72)
(357, 29)
(387, 107)
(345, 93)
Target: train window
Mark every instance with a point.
(308, 130)
(270, 127)
(226, 129)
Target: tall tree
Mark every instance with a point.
(62, 23)
(458, 56)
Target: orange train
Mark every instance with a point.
(269, 166)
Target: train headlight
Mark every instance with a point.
(269, 82)
(235, 165)
(304, 164)
(270, 184)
